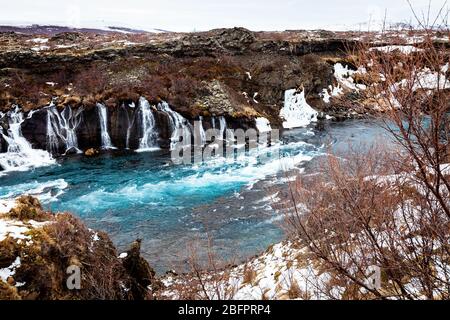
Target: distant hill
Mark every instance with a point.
(53, 30)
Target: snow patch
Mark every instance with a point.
(403, 49)
(5, 273)
(13, 229)
(40, 48)
(6, 205)
(344, 76)
(38, 40)
(123, 255)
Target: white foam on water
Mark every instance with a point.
(217, 173)
(46, 192)
(20, 155)
(296, 111)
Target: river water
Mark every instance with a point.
(178, 208)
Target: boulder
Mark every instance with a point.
(144, 277)
(91, 152)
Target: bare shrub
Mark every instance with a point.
(365, 211)
(249, 274)
(91, 81)
(387, 208)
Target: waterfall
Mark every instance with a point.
(130, 126)
(179, 125)
(62, 126)
(150, 134)
(224, 131)
(222, 126)
(106, 140)
(201, 132)
(20, 155)
(213, 122)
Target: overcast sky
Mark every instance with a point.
(190, 15)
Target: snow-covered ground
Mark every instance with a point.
(406, 49)
(282, 272)
(13, 228)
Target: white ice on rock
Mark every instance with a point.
(13, 229)
(427, 79)
(345, 81)
(344, 77)
(296, 111)
(263, 125)
(331, 92)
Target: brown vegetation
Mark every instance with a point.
(60, 241)
(387, 207)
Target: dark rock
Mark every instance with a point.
(66, 36)
(144, 277)
(164, 129)
(3, 144)
(8, 253)
(34, 129)
(88, 131)
(124, 123)
(236, 39)
(91, 152)
(71, 151)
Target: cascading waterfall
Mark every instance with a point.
(179, 125)
(150, 134)
(213, 122)
(106, 140)
(129, 128)
(201, 133)
(222, 126)
(224, 131)
(62, 126)
(20, 155)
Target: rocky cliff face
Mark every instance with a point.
(232, 73)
